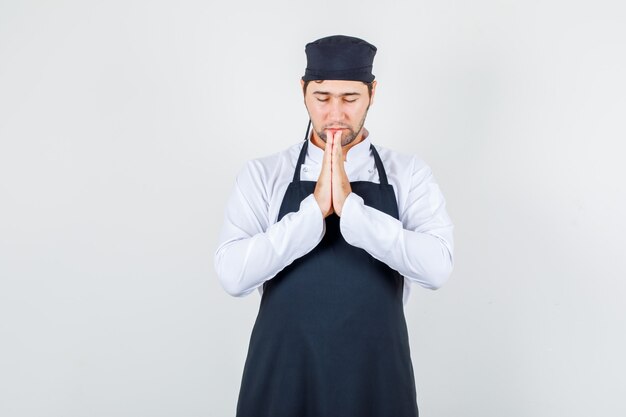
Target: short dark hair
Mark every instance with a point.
(369, 86)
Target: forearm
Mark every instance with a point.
(421, 257)
(244, 261)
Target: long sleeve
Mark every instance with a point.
(419, 245)
(251, 251)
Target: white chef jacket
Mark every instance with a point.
(253, 247)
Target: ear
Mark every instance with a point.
(374, 83)
(302, 89)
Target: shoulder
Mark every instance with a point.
(402, 163)
(262, 171)
(266, 165)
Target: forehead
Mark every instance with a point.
(337, 86)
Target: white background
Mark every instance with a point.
(124, 123)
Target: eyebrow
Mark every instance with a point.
(327, 93)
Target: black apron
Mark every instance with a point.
(330, 338)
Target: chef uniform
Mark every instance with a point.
(330, 338)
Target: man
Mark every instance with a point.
(332, 232)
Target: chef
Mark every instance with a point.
(332, 232)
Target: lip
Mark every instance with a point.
(333, 132)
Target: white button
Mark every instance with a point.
(305, 169)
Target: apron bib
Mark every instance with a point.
(330, 338)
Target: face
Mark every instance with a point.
(338, 105)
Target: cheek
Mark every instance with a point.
(357, 112)
(317, 109)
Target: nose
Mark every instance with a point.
(336, 110)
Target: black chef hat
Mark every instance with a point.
(339, 57)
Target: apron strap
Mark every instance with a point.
(296, 173)
(382, 175)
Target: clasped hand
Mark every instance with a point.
(332, 186)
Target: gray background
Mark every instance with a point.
(124, 123)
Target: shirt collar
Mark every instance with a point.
(358, 152)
